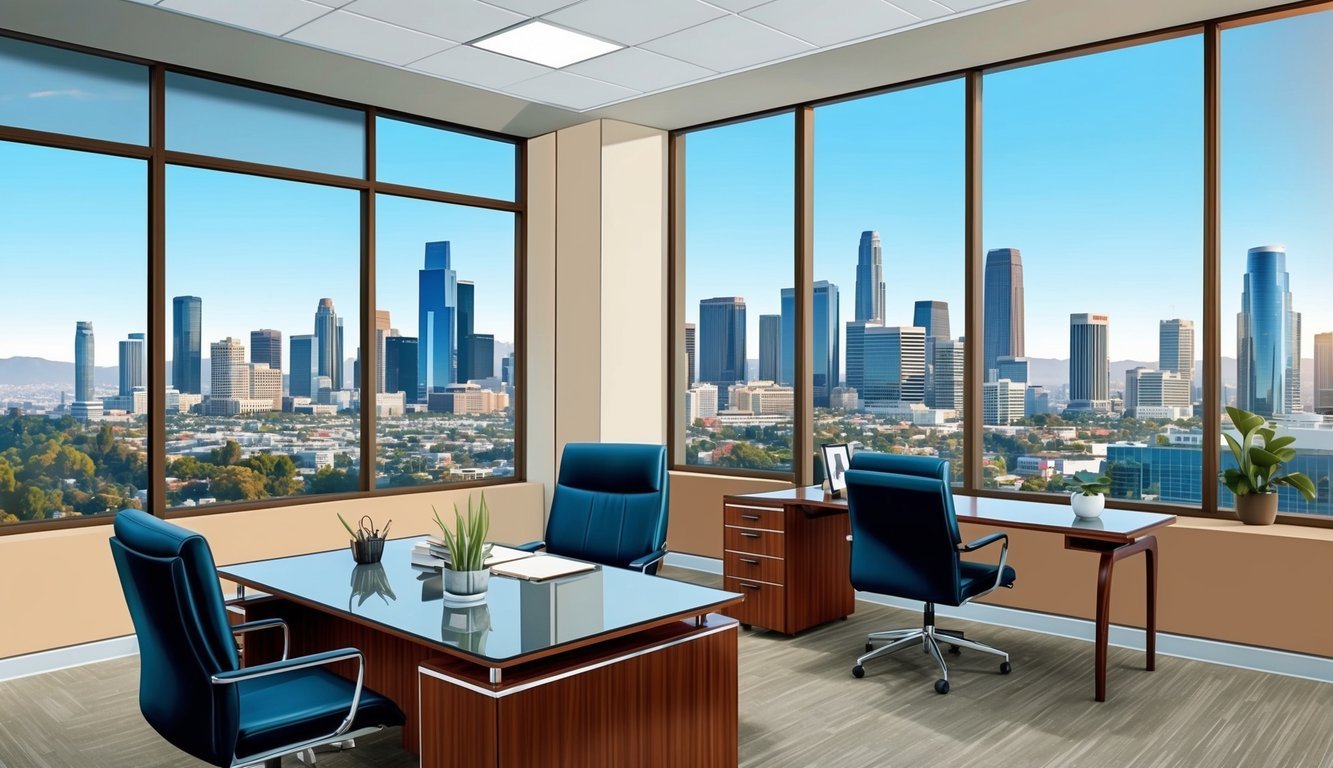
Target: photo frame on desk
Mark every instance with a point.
(837, 459)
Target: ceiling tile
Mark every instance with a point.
(737, 5)
(274, 17)
(727, 44)
(532, 7)
(814, 23)
(634, 23)
(333, 3)
(639, 69)
(459, 20)
(473, 65)
(569, 90)
(369, 38)
(970, 5)
(923, 9)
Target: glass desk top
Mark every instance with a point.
(517, 618)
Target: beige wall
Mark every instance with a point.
(1218, 579)
(61, 588)
(540, 289)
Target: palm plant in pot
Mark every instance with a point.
(1089, 495)
(466, 576)
(1256, 477)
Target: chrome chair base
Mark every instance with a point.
(930, 637)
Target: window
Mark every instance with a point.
(888, 269)
(263, 309)
(58, 91)
(422, 156)
(444, 330)
(738, 406)
(1277, 191)
(73, 251)
(1093, 183)
(206, 117)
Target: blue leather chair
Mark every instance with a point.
(609, 505)
(192, 689)
(905, 543)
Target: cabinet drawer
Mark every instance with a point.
(744, 566)
(764, 603)
(752, 541)
(744, 516)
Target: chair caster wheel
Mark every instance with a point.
(869, 646)
(941, 686)
(955, 650)
(858, 671)
(746, 627)
(1005, 668)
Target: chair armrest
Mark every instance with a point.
(531, 546)
(250, 626)
(984, 541)
(304, 662)
(642, 563)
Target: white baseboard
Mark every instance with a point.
(41, 662)
(1183, 646)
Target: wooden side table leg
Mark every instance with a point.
(1104, 573)
(1150, 555)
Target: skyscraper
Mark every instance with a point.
(689, 354)
(1012, 368)
(383, 329)
(230, 374)
(1175, 348)
(481, 355)
(304, 366)
(722, 342)
(1089, 362)
(187, 341)
(856, 333)
(827, 354)
(400, 367)
(870, 279)
(932, 316)
(437, 307)
(1323, 373)
(466, 310)
(787, 363)
(85, 356)
(1002, 311)
(770, 347)
(1003, 402)
(1268, 344)
(894, 365)
(947, 384)
(266, 348)
(328, 349)
(133, 359)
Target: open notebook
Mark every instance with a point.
(541, 567)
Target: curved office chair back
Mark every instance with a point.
(171, 587)
(610, 503)
(904, 533)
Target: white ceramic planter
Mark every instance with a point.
(1087, 507)
(466, 586)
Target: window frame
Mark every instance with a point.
(158, 157)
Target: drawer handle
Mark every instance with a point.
(749, 517)
(749, 535)
(749, 586)
(749, 561)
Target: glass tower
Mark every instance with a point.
(437, 308)
(770, 347)
(1002, 311)
(187, 344)
(1089, 361)
(827, 342)
(328, 344)
(133, 371)
(84, 361)
(722, 343)
(266, 348)
(467, 362)
(300, 381)
(870, 279)
(400, 367)
(1268, 342)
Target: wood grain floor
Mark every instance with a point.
(799, 706)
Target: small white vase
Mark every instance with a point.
(1087, 507)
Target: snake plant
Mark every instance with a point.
(466, 543)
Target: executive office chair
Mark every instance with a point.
(192, 689)
(905, 543)
(609, 505)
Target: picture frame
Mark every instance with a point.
(837, 459)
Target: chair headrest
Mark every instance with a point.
(147, 535)
(915, 483)
(899, 464)
(614, 467)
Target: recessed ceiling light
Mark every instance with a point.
(546, 44)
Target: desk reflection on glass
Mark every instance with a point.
(466, 626)
(560, 610)
(370, 581)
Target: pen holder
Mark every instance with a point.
(367, 551)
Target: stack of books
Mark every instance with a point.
(431, 554)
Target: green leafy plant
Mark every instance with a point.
(1090, 483)
(1257, 466)
(466, 543)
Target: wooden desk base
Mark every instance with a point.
(1112, 553)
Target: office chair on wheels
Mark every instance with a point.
(905, 543)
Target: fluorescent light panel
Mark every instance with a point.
(546, 44)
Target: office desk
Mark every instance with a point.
(753, 545)
(605, 668)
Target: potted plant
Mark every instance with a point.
(466, 576)
(1255, 478)
(1089, 495)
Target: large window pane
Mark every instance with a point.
(444, 330)
(889, 262)
(422, 156)
(1093, 274)
(739, 323)
(206, 117)
(52, 89)
(73, 252)
(1277, 194)
(262, 306)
